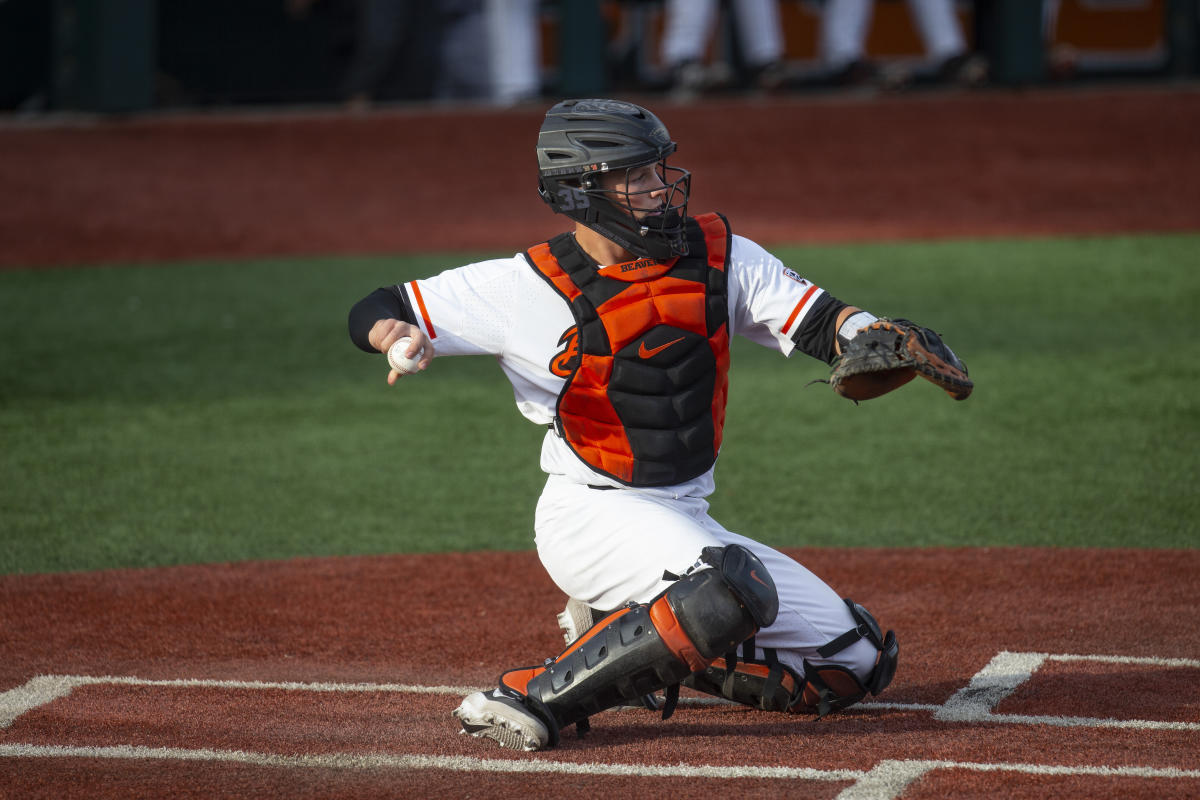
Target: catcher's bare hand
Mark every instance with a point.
(386, 332)
(889, 353)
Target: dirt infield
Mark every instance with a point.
(831, 169)
(1024, 672)
(336, 677)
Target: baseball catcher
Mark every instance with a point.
(615, 335)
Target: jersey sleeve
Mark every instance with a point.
(467, 310)
(768, 301)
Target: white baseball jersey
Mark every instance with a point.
(505, 309)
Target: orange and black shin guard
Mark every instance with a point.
(620, 658)
(635, 651)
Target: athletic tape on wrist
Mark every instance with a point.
(853, 324)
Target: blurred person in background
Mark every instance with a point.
(395, 54)
(413, 50)
(690, 25)
(846, 23)
(465, 72)
(515, 45)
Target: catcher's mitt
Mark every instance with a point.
(889, 353)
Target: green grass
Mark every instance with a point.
(217, 411)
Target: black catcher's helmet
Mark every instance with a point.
(582, 139)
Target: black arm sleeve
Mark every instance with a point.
(385, 303)
(817, 334)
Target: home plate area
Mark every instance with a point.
(1026, 724)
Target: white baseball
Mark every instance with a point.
(400, 362)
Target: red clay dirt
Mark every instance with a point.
(457, 620)
(798, 170)
(832, 169)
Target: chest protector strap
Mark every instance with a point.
(644, 403)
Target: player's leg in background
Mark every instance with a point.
(688, 26)
(514, 43)
(939, 29)
(844, 26)
(760, 33)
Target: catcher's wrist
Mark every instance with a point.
(852, 325)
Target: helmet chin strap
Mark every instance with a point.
(658, 245)
(646, 238)
(669, 219)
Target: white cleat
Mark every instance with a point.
(575, 620)
(502, 719)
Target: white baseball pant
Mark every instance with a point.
(610, 547)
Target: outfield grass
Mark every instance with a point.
(217, 411)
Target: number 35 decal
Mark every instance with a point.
(571, 199)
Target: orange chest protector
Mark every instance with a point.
(644, 401)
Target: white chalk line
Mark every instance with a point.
(1147, 660)
(1007, 671)
(37, 691)
(44, 689)
(974, 703)
(996, 681)
(456, 763)
(1092, 722)
(888, 779)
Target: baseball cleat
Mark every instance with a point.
(575, 620)
(490, 715)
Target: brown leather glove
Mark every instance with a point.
(889, 353)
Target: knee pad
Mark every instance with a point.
(717, 609)
(643, 648)
(748, 580)
(830, 687)
(867, 628)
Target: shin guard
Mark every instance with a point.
(619, 659)
(642, 648)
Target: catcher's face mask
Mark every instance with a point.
(603, 164)
(645, 205)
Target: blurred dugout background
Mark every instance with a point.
(139, 55)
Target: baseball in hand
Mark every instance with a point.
(400, 362)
